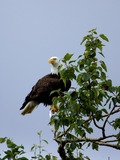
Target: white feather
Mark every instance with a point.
(30, 106)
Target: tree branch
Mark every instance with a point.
(62, 133)
(115, 146)
(104, 115)
(106, 120)
(61, 151)
(100, 141)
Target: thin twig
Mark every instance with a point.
(106, 120)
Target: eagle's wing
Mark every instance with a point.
(40, 93)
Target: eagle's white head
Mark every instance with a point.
(55, 62)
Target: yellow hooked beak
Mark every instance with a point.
(51, 60)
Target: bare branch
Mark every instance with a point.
(116, 111)
(115, 146)
(103, 116)
(100, 141)
(62, 133)
(106, 120)
(96, 124)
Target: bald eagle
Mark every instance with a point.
(41, 91)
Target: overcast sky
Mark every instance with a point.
(31, 31)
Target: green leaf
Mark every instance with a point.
(117, 123)
(48, 157)
(95, 146)
(10, 144)
(103, 76)
(93, 31)
(39, 133)
(33, 147)
(72, 61)
(105, 110)
(22, 158)
(68, 74)
(83, 40)
(45, 141)
(114, 101)
(55, 91)
(101, 54)
(89, 130)
(9, 154)
(73, 146)
(54, 158)
(88, 145)
(67, 57)
(103, 65)
(118, 137)
(81, 132)
(85, 76)
(87, 158)
(98, 115)
(57, 124)
(104, 37)
(79, 79)
(2, 140)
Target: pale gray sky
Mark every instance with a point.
(31, 31)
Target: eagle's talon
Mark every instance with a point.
(54, 109)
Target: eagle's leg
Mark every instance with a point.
(54, 108)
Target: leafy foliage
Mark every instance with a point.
(15, 152)
(93, 102)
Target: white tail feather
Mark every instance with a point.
(30, 106)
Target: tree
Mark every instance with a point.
(94, 104)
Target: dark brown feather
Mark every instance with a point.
(41, 90)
